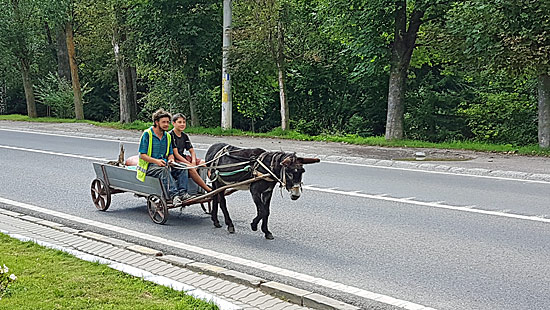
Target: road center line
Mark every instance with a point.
(428, 204)
(205, 146)
(53, 153)
(339, 192)
(230, 258)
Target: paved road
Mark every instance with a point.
(397, 232)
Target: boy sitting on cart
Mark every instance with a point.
(155, 155)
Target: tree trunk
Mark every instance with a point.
(195, 122)
(402, 49)
(285, 114)
(396, 104)
(63, 68)
(127, 76)
(78, 104)
(544, 110)
(29, 93)
(51, 46)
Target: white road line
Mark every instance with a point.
(67, 136)
(430, 204)
(230, 258)
(436, 172)
(324, 161)
(334, 190)
(52, 153)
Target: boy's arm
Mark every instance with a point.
(178, 156)
(193, 156)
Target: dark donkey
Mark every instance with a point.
(230, 164)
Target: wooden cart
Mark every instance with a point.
(111, 179)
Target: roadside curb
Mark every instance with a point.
(282, 291)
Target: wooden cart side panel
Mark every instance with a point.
(125, 179)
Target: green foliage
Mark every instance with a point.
(57, 94)
(502, 118)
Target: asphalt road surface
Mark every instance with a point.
(440, 240)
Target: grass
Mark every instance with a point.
(293, 135)
(51, 279)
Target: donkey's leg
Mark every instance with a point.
(256, 192)
(215, 203)
(266, 199)
(223, 206)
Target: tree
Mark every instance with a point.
(178, 40)
(510, 35)
(20, 32)
(264, 21)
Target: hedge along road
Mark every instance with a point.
(400, 244)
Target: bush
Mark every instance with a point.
(503, 118)
(57, 94)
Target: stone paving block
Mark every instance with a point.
(214, 285)
(228, 287)
(269, 302)
(10, 213)
(68, 230)
(172, 272)
(260, 301)
(30, 218)
(188, 277)
(249, 299)
(244, 293)
(284, 291)
(175, 260)
(144, 250)
(280, 305)
(241, 278)
(235, 290)
(204, 280)
(205, 268)
(159, 268)
(102, 238)
(321, 302)
(49, 223)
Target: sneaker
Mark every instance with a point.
(176, 201)
(185, 196)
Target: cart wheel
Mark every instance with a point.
(158, 211)
(101, 196)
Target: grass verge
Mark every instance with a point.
(533, 150)
(51, 279)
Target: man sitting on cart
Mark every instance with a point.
(155, 154)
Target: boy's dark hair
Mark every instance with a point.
(178, 116)
(160, 113)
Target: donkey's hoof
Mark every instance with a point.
(217, 225)
(254, 226)
(269, 236)
(231, 229)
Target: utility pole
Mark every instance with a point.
(226, 79)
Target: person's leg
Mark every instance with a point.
(163, 173)
(197, 178)
(182, 180)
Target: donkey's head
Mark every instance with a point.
(292, 171)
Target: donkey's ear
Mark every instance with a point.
(305, 161)
(286, 162)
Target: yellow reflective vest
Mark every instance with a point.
(142, 164)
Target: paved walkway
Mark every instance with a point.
(244, 292)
